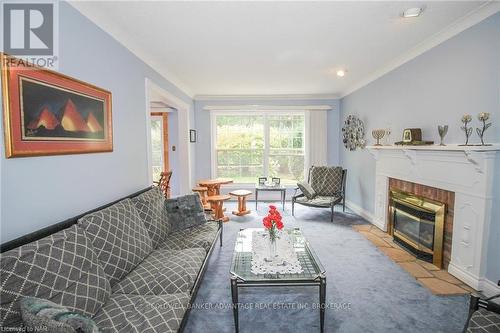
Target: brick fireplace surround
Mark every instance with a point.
(436, 194)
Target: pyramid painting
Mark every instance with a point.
(51, 113)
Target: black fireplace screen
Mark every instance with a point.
(415, 225)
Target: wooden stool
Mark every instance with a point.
(242, 202)
(217, 202)
(202, 192)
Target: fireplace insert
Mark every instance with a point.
(417, 223)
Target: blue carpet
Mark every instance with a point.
(366, 291)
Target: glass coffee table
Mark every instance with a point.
(241, 275)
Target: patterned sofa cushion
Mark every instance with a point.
(62, 268)
(326, 181)
(142, 314)
(202, 235)
(163, 272)
(484, 321)
(151, 208)
(184, 212)
(119, 237)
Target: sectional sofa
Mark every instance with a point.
(131, 266)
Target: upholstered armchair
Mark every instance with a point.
(325, 188)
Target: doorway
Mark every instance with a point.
(159, 144)
(176, 151)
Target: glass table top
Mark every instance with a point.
(242, 259)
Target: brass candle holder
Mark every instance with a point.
(378, 134)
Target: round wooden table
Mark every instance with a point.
(217, 202)
(213, 185)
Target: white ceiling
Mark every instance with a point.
(269, 48)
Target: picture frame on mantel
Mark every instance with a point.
(48, 113)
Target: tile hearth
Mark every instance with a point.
(439, 282)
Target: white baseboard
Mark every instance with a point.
(364, 214)
(464, 276)
(360, 211)
(488, 287)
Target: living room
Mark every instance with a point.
(147, 147)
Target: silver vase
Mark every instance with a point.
(442, 130)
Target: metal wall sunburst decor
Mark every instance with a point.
(353, 133)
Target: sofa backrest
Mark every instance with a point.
(62, 267)
(326, 180)
(52, 229)
(151, 208)
(119, 237)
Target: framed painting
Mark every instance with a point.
(47, 113)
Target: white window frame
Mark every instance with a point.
(255, 112)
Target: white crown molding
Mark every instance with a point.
(129, 45)
(486, 10)
(267, 107)
(264, 97)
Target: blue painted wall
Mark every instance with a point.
(39, 191)
(202, 121)
(461, 75)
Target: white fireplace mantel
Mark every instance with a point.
(465, 170)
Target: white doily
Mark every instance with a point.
(286, 260)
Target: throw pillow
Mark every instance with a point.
(37, 312)
(307, 190)
(185, 212)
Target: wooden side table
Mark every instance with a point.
(217, 203)
(213, 185)
(279, 188)
(242, 202)
(202, 192)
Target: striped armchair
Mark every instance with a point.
(328, 184)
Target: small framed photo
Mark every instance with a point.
(192, 135)
(262, 181)
(276, 181)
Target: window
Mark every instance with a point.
(248, 146)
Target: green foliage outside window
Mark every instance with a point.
(241, 147)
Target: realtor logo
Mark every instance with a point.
(30, 32)
(28, 28)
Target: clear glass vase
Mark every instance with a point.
(272, 248)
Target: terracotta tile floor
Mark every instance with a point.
(438, 281)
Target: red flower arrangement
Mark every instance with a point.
(273, 222)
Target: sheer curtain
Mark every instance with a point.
(317, 143)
